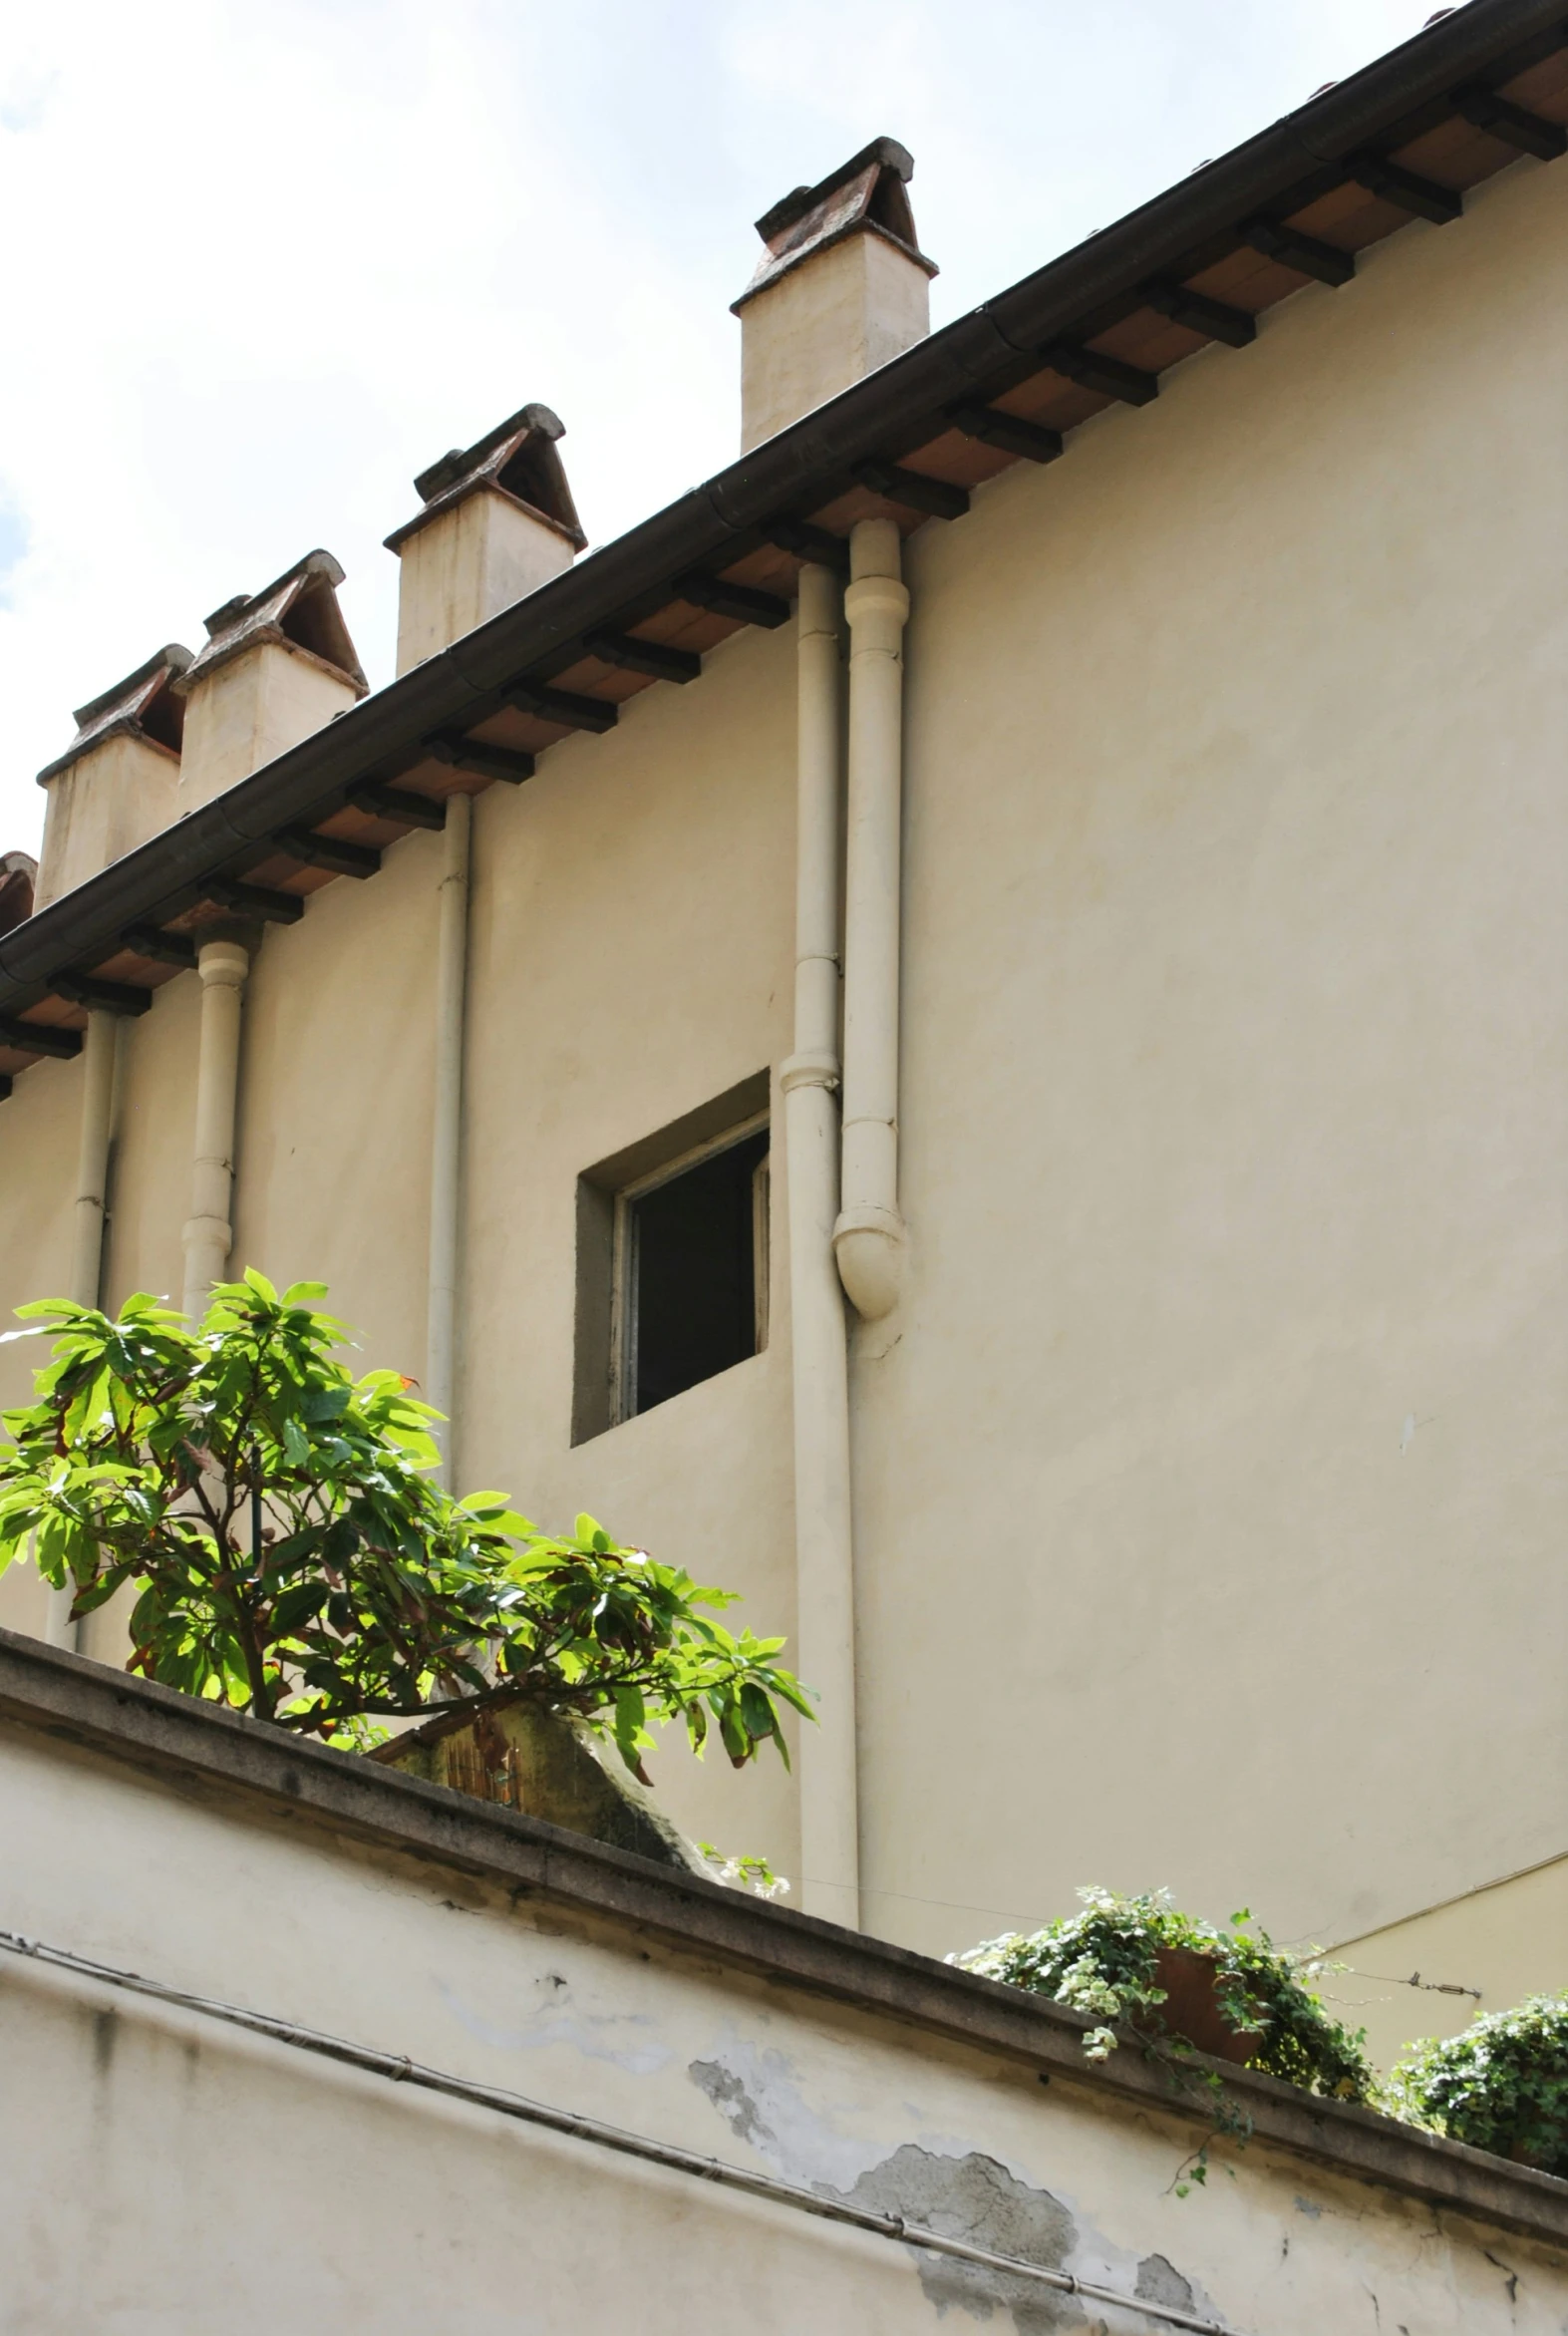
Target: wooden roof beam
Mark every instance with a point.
(1423, 197)
(111, 997)
(1531, 133)
(1309, 255)
(571, 711)
(40, 1037)
(1199, 313)
(164, 948)
(397, 802)
(333, 853)
(913, 490)
(817, 545)
(743, 603)
(1108, 376)
(478, 757)
(1009, 433)
(257, 901)
(655, 658)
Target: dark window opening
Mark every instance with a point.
(672, 1259)
(696, 1258)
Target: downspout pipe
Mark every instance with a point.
(208, 1233)
(87, 1230)
(92, 1166)
(870, 1238)
(824, 1568)
(451, 958)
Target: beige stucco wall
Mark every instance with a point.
(101, 806)
(158, 2169)
(631, 958)
(1208, 1481)
(39, 1125)
(473, 558)
(1499, 1945)
(825, 323)
(251, 709)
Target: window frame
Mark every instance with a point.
(623, 1256)
(598, 1343)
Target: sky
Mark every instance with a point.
(263, 265)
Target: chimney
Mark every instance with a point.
(278, 665)
(842, 288)
(18, 883)
(499, 521)
(118, 780)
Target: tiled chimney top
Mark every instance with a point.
(866, 195)
(516, 459)
(299, 610)
(143, 706)
(18, 878)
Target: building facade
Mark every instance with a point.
(971, 1043)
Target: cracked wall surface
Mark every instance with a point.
(151, 2162)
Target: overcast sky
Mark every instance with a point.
(262, 265)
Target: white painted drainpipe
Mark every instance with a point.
(452, 954)
(91, 1171)
(208, 1233)
(87, 1230)
(824, 1576)
(869, 1239)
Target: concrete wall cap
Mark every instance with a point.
(192, 1746)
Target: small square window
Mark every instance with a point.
(672, 1261)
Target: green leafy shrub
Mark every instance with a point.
(1501, 2084)
(296, 1557)
(1104, 1962)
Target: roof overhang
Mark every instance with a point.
(1404, 137)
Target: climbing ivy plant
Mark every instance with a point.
(294, 1556)
(1105, 1961)
(1501, 2084)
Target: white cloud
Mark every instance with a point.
(262, 265)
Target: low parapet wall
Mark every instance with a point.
(322, 2140)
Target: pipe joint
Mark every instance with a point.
(208, 1233)
(870, 1246)
(223, 964)
(881, 602)
(812, 1068)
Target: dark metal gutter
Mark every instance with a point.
(1487, 41)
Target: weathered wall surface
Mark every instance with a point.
(631, 958)
(1431, 1974)
(1208, 1481)
(39, 1133)
(1221, 1430)
(160, 2169)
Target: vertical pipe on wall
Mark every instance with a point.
(87, 1230)
(209, 1235)
(824, 1576)
(452, 955)
(869, 1240)
(92, 1166)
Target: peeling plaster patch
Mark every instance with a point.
(1159, 2282)
(757, 2094)
(976, 2200)
(1306, 2206)
(733, 2104)
(595, 2035)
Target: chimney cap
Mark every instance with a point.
(141, 706)
(517, 459)
(18, 883)
(299, 609)
(866, 195)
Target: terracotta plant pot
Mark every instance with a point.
(1192, 2008)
